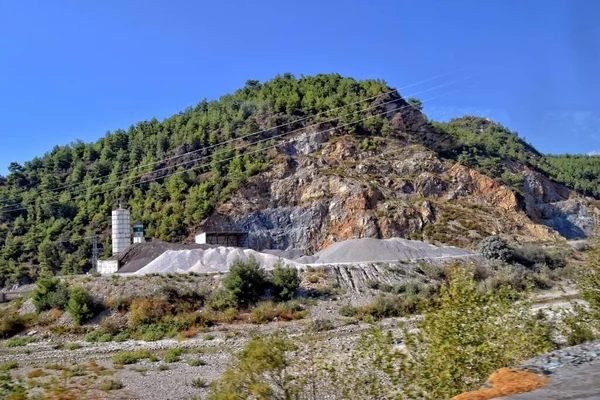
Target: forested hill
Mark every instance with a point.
(171, 174)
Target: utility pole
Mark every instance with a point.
(95, 253)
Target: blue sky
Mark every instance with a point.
(76, 69)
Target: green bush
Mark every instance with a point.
(495, 248)
(221, 299)
(18, 342)
(285, 281)
(172, 355)
(50, 293)
(250, 374)
(468, 336)
(81, 306)
(132, 357)
(246, 281)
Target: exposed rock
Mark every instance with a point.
(325, 189)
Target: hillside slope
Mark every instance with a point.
(301, 163)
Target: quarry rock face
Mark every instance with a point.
(326, 189)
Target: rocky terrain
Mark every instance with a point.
(326, 189)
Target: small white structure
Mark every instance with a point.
(108, 266)
(121, 230)
(138, 233)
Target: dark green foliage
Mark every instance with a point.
(495, 248)
(246, 281)
(221, 300)
(50, 293)
(81, 305)
(285, 281)
(46, 224)
(577, 171)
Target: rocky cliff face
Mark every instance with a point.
(326, 188)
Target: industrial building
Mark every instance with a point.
(131, 255)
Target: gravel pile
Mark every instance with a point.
(217, 259)
(375, 250)
(570, 356)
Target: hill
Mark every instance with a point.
(301, 163)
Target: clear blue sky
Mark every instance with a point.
(76, 69)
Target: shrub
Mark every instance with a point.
(73, 346)
(81, 305)
(172, 355)
(285, 281)
(110, 384)
(11, 388)
(250, 374)
(18, 342)
(495, 248)
(199, 382)
(246, 281)
(119, 304)
(267, 311)
(7, 366)
(132, 357)
(348, 311)
(577, 326)
(93, 336)
(113, 324)
(460, 343)
(183, 300)
(227, 316)
(198, 362)
(11, 325)
(147, 311)
(50, 293)
(535, 255)
(221, 299)
(264, 312)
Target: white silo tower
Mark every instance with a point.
(121, 230)
(138, 233)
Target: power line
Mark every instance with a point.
(250, 152)
(241, 137)
(9, 208)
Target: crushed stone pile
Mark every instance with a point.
(217, 259)
(371, 250)
(210, 259)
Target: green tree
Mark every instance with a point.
(285, 281)
(245, 280)
(80, 305)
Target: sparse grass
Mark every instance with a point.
(199, 383)
(208, 337)
(18, 342)
(197, 362)
(163, 367)
(110, 384)
(132, 357)
(172, 355)
(73, 346)
(7, 366)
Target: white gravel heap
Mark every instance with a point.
(210, 260)
(219, 259)
(371, 250)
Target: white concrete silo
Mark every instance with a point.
(121, 230)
